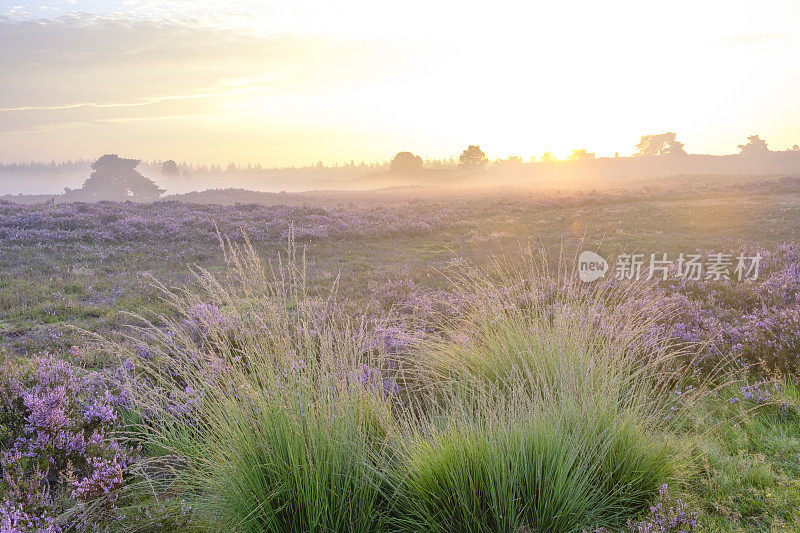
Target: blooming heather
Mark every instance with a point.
(60, 449)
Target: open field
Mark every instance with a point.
(429, 267)
(388, 375)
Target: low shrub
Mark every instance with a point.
(61, 463)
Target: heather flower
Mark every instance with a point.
(64, 417)
(15, 519)
(757, 393)
(668, 515)
(107, 475)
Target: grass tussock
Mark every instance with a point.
(272, 402)
(552, 407)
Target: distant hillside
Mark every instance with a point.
(687, 186)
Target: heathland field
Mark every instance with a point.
(403, 360)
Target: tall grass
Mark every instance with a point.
(270, 399)
(543, 408)
(553, 406)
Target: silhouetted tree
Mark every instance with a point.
(755, 145)
(116, 179)
(405, 162)
(169, 169)
(657, 144)
(580, 155)
(472, 158)
(795, 148)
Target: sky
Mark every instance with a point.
(295, 82)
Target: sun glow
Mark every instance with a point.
(291, 83)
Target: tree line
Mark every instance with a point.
(662, 144)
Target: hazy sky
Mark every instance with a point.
(293, 82)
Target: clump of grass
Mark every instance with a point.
(553, 408)
(507, 472)
(269, 401)
(314, 467)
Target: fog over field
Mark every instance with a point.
(26, 182)
(356, 267)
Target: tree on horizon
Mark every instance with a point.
(581, 155)
(660, 144)
(405, 162)
(754, 145)
(115, 179)
(472, 158)
(170, 168)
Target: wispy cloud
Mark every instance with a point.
(47, 128)
(83, 68)
(245, 86)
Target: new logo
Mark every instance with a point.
(591, 266)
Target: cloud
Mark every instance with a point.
(82, 68)
(221, 90)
